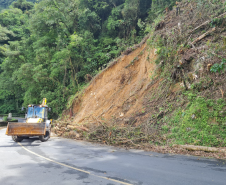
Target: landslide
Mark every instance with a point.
(119, 91)
(163, 94)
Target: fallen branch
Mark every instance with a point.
(207, 22)
(203, 36)
(79, 128)
(222, 92)
(200, 148)
(126, 141)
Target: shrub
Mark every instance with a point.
(201, 123)
(218, 67)
(5, 118)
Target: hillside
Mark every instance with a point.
(47, 49)
(117, 91)
(166, 92)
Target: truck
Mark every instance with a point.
(36, 124)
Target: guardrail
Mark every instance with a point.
(14, 115)
(18, 115)
(3, 115)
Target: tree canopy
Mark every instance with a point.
(47, 48)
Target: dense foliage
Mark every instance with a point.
(46, 49)
(6, 3)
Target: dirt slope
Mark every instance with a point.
(136, 103)
(118, 91)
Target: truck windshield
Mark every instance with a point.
(36, 112)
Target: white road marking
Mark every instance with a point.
(72, 167)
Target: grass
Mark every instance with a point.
(201, 123)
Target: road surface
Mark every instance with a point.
(19, 119)
(67, 162)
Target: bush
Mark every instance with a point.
(218, 67)
(5, 118)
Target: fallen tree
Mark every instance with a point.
(200, 148)
(207, 22)
(203, 36)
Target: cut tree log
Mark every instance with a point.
(78, 128)
(200, 148)
(207, 22)
(203, 36)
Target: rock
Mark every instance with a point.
(121, 114)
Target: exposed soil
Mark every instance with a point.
(118, 92)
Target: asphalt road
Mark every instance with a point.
(20, 119)
(68, 162)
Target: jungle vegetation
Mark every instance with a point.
(47, 48)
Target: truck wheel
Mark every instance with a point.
(45, 137)
(17, 139)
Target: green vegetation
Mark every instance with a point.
(198, 117)
(201, 123)
(4, 118)
(6, 3)
(219, 67)
(46, 49)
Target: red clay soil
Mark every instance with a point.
(118, 91)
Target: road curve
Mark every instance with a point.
(68, 162)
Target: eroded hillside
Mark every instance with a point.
(169, 90)
(118, 92)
